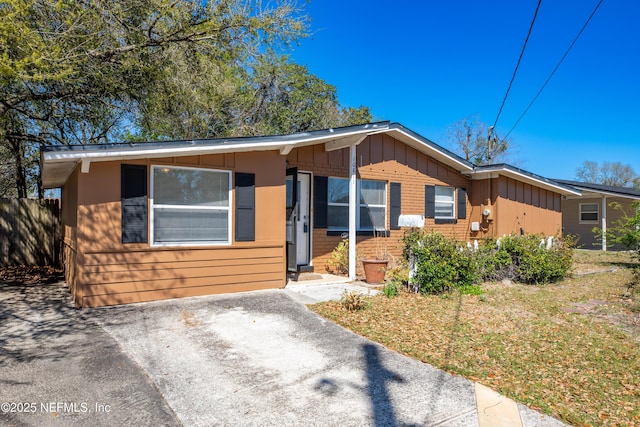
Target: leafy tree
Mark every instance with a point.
(608, 173)
(472, 139)
(92, 71)
(626, 230)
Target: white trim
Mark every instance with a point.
(487, 172)
(311, 215)
(309, 220)
(604, 223)
(286, 149)
(353, 169)
(228, 208)
(592, 221)
(359, 205)
(453, 203)
(216, 146)
(84, 166)
(338, 144)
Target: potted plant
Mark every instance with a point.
(375, 268)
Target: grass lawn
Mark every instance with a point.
(571, 350)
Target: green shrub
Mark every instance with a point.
(395, 279)
(442, 265)
(391, 290)
(532, 262)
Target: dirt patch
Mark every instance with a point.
(624, 314)
(584, 307)
(189, 318)
(30, 275)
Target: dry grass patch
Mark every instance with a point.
(527, 342)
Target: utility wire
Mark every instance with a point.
(524, 46)
(555, 69)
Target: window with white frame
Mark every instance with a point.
(372, 206)
(190, 206)
(445, 202)
(589, 213)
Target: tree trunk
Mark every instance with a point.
(21, 174)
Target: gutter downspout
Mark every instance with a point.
(352, 212)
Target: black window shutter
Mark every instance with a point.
(134, 203)
(462, 203)
(320, 189)
(430, 201)
(395, 206)
(245, 207)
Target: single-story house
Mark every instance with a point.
(149, 221)
(593, 209)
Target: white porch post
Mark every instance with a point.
(353, 204)
(604, 223)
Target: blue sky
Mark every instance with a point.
(428, 64)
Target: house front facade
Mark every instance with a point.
(149, 221)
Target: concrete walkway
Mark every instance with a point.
(251, 359)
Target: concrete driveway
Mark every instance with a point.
(59, 368)
(258, 358)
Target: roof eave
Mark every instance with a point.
(72, 156)
(485, 172)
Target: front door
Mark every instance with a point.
(303, 232)
(298, 185)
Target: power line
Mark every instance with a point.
(555, 69)
(524, 46)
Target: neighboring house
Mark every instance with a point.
(581, 214)
(148, 221)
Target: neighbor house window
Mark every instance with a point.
(589, 213)
(444, 202)
(190, 206)
(372, 207)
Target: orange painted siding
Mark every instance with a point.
(101, 270)
(526, 208)
(110, 272)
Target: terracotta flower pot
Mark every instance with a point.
(374, 270)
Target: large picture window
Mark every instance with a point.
(589, 213)
(445, 202)
(372, 206)
(190, 206)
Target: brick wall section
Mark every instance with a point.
(381, 157)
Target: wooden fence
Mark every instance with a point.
(30, 232)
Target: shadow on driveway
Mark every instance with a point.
(260, 358)
(58, 367)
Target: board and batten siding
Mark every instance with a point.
(381, 157)
(524, 208)
(110, 272)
